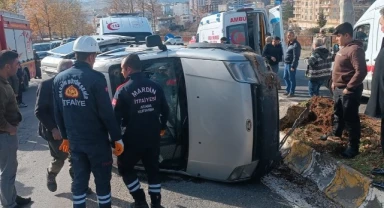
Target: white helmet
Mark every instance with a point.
(86, 44)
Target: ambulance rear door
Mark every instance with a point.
(235, 28)
(276, 24)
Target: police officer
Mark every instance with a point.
(84, 115)
(140, 106)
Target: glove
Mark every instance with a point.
(162, 133)
(64, 146)
(119, 148)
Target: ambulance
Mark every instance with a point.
(367, 30)
(244, 26)
(125, 24)
(15, 34)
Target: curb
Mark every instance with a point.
(339, 182)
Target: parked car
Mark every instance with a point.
(224, 119)
(106, 42)
(177, 40)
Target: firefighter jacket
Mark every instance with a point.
(82, 106)
(141, 108)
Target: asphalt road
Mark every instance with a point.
(181, 192)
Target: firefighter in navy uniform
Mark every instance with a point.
(84, 115)
(140, 106)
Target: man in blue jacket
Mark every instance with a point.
(141, 107)
(84, 115)
(291, 60)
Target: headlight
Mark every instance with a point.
(242, 72)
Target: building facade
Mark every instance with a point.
(306, 12)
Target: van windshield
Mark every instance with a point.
(63, 49)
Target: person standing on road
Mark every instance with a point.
(84, 115)
(291, 59)
(375, 106)
(37, 65)
(10, 117)
(349, 71)
(48, 129)
(141, 107)
(20, 76)
(223, 40)
(273, 52)
(319, 67)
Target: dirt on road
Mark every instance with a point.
(319, 122)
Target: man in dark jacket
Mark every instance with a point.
(20, 76)
(141, 107)
(48, 128)
(84, 115)
(274, 54)
(291, 60)
(375, 106)
(348, 74)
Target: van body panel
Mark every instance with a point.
(210, 91)
(373, 42)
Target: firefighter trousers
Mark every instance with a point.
(95, 158)
(150, 160)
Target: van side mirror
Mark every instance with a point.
(153, 41)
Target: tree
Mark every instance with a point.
(288, 12)
(123, 6)
(60, 17)
(9, 5)
(322, 20)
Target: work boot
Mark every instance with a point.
(20, 201)
(51, 181)
(139, 204)
(156, 201)
(351, 152)
(140, 201)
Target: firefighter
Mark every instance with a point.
(140, 106)
(84, 115)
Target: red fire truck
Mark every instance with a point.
(15, 34)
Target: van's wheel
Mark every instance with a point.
(26, 80)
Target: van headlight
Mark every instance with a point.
(242, 71)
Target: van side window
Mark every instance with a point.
(237, 34)
(362, 33)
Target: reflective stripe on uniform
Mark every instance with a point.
(79, 199)
(154, 188)
(134, 186)
(104, 199)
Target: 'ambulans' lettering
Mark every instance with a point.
(238, 19)
(73, 93)
(143, 89)
(145, 100)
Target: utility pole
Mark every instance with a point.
(347, 13)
